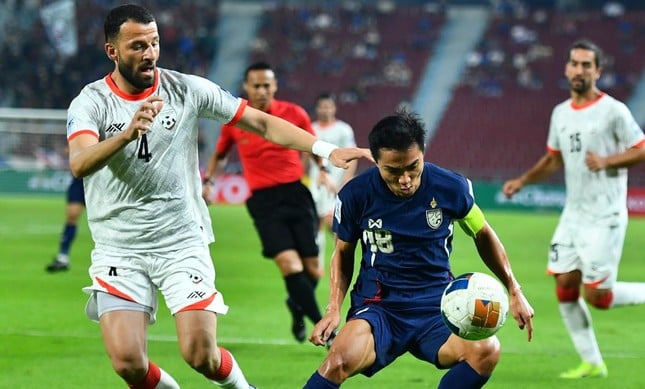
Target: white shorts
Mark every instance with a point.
(324, 200)
(185, 278)
(593, 248)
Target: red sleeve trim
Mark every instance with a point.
(552, 151)
(640, 144)
(238, 114)
(83, 132)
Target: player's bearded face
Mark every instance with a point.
(401, 170)
(134, 73)
(581, 71)
(137, 52)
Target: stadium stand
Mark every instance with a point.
(370, 57)
(34, 75)
(497, 122)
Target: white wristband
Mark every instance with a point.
(323, 149)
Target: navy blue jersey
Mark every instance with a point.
(406, 242)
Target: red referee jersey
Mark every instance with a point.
(266, 164)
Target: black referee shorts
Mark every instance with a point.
(285, 218)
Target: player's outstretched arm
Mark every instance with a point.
(280, 131)
(492, 252)
(547, 165)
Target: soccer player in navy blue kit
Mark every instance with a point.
(73, 211)
(402, 212)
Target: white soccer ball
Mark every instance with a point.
(474, 306)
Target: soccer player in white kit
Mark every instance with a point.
(594, 138)
(335, 131)
(133, 138)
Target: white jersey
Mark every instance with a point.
(342, 135)
(149, 195)
(338, 133)
(604, 126)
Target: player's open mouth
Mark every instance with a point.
(148, 71)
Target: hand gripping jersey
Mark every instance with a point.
(406, 242)
(149, 194)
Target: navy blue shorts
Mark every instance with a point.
(397, 332)
(285, 218)
(75, 191)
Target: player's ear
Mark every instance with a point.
(110, 50)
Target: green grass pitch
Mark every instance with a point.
(46, 340)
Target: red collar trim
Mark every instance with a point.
(127, 96)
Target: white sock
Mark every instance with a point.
(321, 240)
(628, 293)
(577, 319)
(235, 379)
(62, 258)
(166, 381)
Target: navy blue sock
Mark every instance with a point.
(316, 381)
(69, 233)
(462, 376)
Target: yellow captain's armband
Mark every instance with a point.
(473, 222)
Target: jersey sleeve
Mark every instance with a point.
(82, 116)
(304, 121)
(552, 143)
(627, 129)
(345, 223)
(214, 102)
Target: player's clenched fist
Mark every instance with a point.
(144, 116)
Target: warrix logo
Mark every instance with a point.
(378, 223)
(114, 128)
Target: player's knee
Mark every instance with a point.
(335, 368)
(132, 370)
(600, 299)
(485, 355)
(567, 294)
(201, 359)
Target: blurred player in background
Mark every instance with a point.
(73, 210)
(335, 131)
(594, 138)
(133, 138)
(402, 212)
(280, 205)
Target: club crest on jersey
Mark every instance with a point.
(168, 118)
(434, 216)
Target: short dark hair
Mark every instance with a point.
(397, 132)
(257, 66)
(121, 14)
(325, 96)
(586, 44)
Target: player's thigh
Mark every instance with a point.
(196, 333)
(481, 355)
(352, 350)
(124, 335)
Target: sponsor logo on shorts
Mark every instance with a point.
(196, 295)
